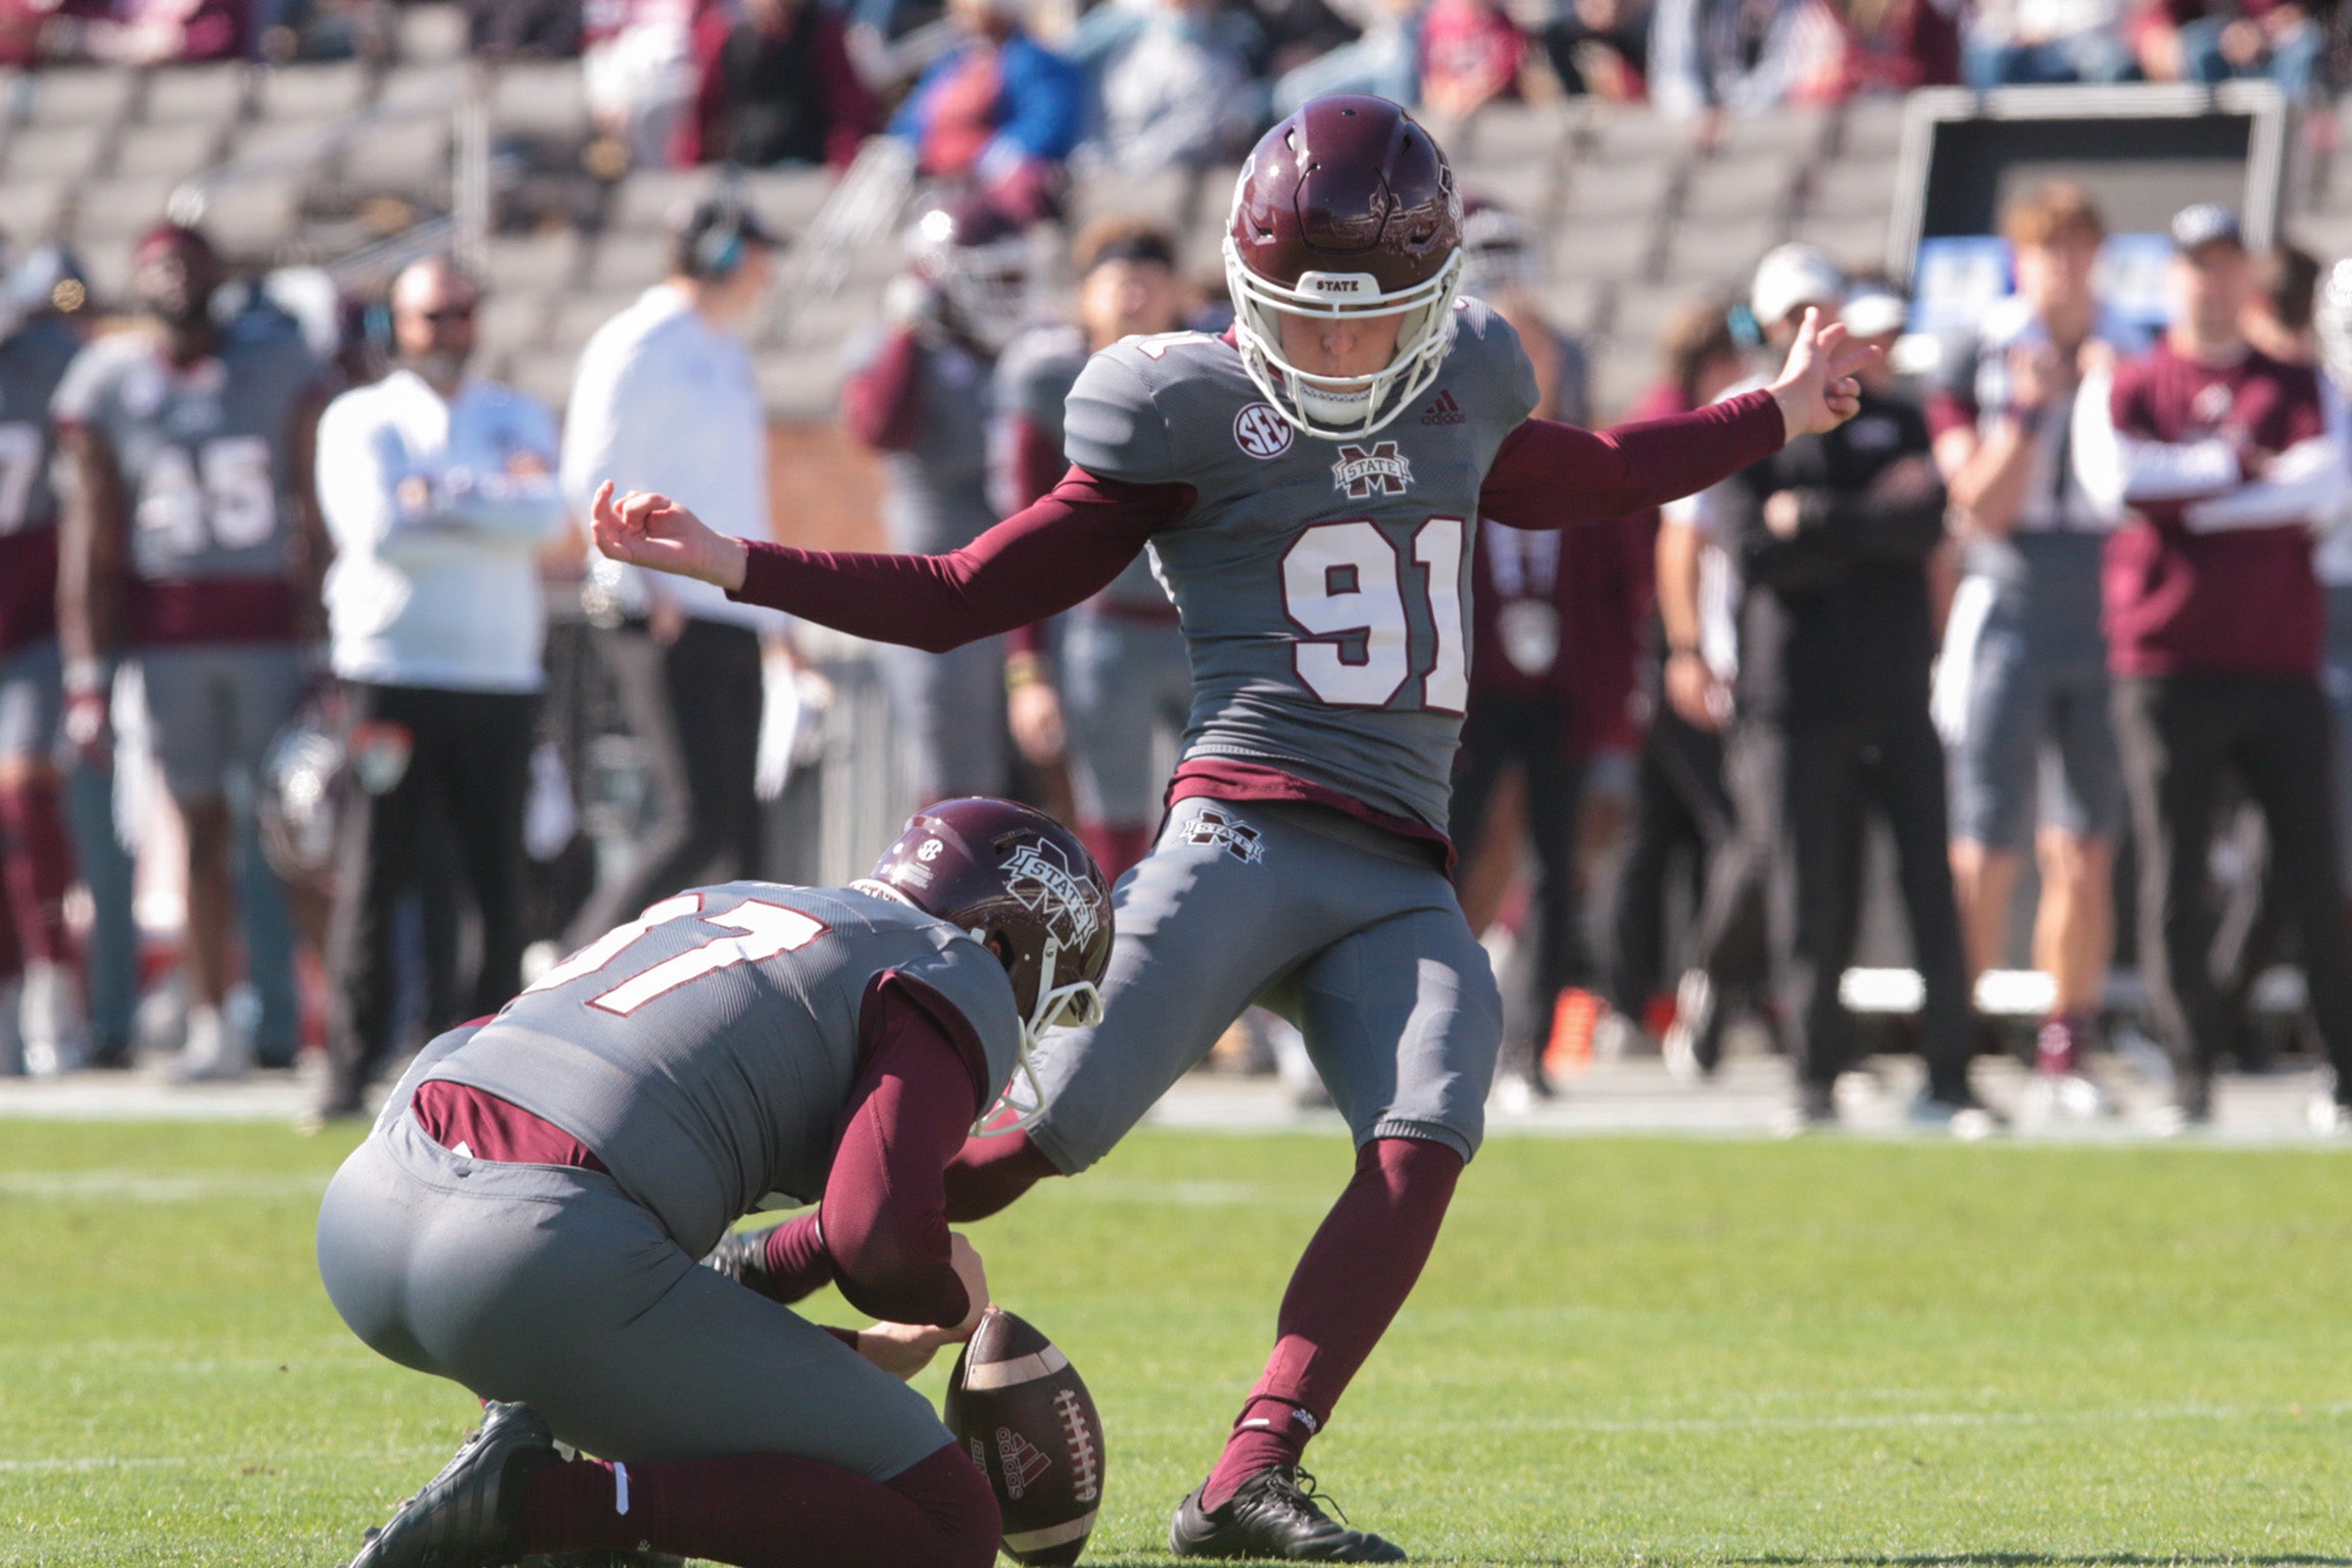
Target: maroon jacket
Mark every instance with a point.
(2180, 599)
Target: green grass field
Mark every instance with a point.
(1629, 1351)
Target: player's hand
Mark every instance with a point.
(901, 1349)
(1818, 388)
(646, 529)
(89, 729)
(1033, 711)
(969, 1268)
(1694, 692)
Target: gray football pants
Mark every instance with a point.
(1335, 925)
(549, 1285)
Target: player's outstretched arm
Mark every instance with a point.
(646, 529)
(1818, 389)
(1036, 563)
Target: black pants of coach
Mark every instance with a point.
(2179, 735)
(694, 706)
(1683, 814)
(1531, 732)
(466, 774)
(1811, 786)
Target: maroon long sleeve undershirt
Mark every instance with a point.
(1072, 543)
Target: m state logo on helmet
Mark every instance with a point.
(1348, 208)
(1026, 889)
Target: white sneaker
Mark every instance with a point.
(214, 1052)
(2327, 1118)
(12, 1038)
(56, 1029)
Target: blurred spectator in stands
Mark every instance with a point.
(1108, 686)
(1682, 810)
(1300, 31)
(1921, 41)
(1471, 54)
(2279, 316)
(2211, 41)
(438, 490)
(2022, 692)
(665, 399)
(497, 29)
(1175, 81)
(151, 33)
(191, 545)
(43, 1023)
(1385, 61)
(1601, 47)
(638, 66)
(2030, 43)
(776, 87)
(1709, 58)
(2220, 463)
(998, 111)
(919, 394)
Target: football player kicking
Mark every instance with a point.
(527, 1216)
(1308, 485)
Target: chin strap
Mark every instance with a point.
(1023, 1100)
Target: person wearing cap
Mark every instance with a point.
(1831, 539)
(2218, 465)
(666, 395)
(2022, 694)
(1107, 687)
(438, 490)
(921, 395)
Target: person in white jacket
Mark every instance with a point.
(438, 490)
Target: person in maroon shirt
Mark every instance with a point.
(2217, 461)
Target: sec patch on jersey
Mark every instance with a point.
(1022, 1412)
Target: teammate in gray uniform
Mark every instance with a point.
(191, 544)
(1313, 529)
(1115, 689)
(2023, 693)
(526, 1216)
(919, 393)
(42, 1021)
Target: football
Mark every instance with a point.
(1022, 1412)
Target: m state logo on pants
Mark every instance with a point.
(1359, 473)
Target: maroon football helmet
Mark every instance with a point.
(977, 259)
(1346, 208)
(1027, 890)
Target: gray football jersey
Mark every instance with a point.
(203, 450)
(1324, 586)
(1033, 383)
(937, 495)
(32, 362)
(705, 1050)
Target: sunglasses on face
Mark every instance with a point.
(447, 316)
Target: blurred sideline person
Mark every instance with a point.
(191, 545)
(665, 398)
(2024, 691)
(1831, 537)
(2220, 464)
(1113, 691)
(43, 1027)
(438, 490)
(1540, 661)
(1681, 813)
(919, 394)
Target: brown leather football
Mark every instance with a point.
(1022, 1412)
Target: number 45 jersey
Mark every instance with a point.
(207, 471)
(1324, 585)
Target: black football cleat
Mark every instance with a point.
(1275, 1515)
(742, 1257)
(466, 1516)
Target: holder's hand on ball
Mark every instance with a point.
(647, 529)
(902, 1350)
